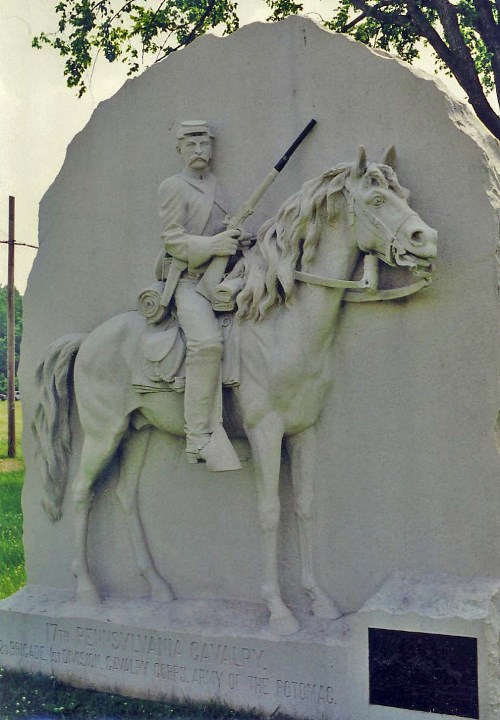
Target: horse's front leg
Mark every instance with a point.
(134, 448)
(302, 452)
(265, 440)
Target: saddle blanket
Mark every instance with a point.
(162, 353)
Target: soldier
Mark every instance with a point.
(192, 222)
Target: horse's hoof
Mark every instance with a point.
(325, 608)
(284, 625)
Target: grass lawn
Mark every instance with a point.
(28, 696)
(6, 464)
(12, 573)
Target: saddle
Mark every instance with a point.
(162, 353)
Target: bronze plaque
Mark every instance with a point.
(423, 671)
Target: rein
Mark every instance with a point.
(366, 289)
(368, 283)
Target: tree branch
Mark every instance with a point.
(364, 14)
(489, 32)
(487, 26)
(193, 34)
(386, 18)
(456, 56)
(353, 23)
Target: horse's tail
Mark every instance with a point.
(51, 424)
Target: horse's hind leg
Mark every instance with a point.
(134, 450)
(96, 454)
(302, 451)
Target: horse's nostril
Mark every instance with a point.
(417, 238)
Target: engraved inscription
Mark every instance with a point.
(259, 685)
(226, 654)
(128, 642)
(170, 662)
(309, 692)
(29, 651)
(56, 634)
(80, 659)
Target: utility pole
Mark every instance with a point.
(11, 329)
(11, 334)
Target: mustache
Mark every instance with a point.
(198, 157)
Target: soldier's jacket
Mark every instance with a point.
(190, 212)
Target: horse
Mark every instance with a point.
(294, 282)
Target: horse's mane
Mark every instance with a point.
(289, 239)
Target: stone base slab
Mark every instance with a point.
(203, 650)
(186, 650)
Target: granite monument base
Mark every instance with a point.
(419, 646)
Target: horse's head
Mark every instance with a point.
(383, 222)
(365, 196)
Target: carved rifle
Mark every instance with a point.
(214, 273)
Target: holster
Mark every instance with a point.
(172, 270)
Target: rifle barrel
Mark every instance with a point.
(215, 271)
(293, 147)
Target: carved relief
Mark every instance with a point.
(291, 286)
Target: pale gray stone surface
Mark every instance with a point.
(284, 371)
(407, 476)
(408, 432)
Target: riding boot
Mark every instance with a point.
(205, 436)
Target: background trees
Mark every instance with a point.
(3, 334)
(464, 35)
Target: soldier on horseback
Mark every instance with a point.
(192, 229)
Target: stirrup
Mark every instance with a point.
(218, 453)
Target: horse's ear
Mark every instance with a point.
(360, 167)
(337, 184)
(390, 157)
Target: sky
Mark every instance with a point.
(39, 115)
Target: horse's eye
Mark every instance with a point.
(376, 200)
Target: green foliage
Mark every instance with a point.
(25, 695)
(18, 313)
(134, 32)
(464, 34)
(12, 572)
(3, 432)
(394, 29)
(283, 8)
(401, 37)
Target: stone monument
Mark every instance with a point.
(346, 562)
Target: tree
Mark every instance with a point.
(134, 32)
(18, 314)
(464, 34)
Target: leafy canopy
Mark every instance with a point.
(136, 32)
(464, 34)
(18, 316)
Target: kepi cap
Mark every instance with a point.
(193, 127)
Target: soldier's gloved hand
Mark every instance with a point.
(225, 243)
(245, 240)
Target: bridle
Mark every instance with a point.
(366, 289)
